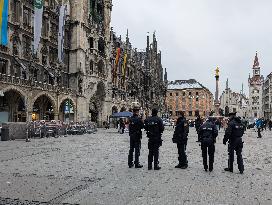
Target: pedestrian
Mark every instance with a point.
(154, 128)
(233, 136)
(270, 125)
(207, 134)
(135, 135)
(122, 126)
(259, 126)
(198, 123)
(180, 137)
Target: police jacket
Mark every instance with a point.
(208, 132)
(234, 131)
(154, 128)
(198, 123)
(135, 127)
(181, 131)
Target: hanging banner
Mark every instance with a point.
(4, 22)
(118, 53)
(62, 18)
(124, 67)
(38, 17)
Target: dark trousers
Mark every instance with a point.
(259, 133)
(182, 157)
(153, 154)
(134, 145)
(208, 150)
(238, 148)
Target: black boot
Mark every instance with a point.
(211, 167)
(156, 167)
(178, 166)
(130, 163)
(228, 170)
(138, 165)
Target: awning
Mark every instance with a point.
(122, 114)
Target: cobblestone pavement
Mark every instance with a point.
(92, 169)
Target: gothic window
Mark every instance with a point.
(45, 28)
(53, 55)
(44, 52)
(91, 42)
(3, 66)
(27, 17)
(101, 46)
(15, 8)
(26, 46)
(14, 48)
(100, 67)
(91, 67)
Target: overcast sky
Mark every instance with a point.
(195, 36)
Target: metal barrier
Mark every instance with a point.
(57, 128)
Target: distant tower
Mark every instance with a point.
(216, 101)
(255, 84)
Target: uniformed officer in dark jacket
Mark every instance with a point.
(135, 133)
(180, 137)
(207, 136)
(154, 128)
(233, 135)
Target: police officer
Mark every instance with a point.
(154, 128)
(180, 137)
(233, 135)
(207, 136)
(135, 133)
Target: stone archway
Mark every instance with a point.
(96, 103)
(67, 110)
(43, 108)
(13, 106)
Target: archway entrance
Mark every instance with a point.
(12, 107)
(43, 109)
(93, 111)
(66, 111)
(96, 103)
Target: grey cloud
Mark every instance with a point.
(197, 35)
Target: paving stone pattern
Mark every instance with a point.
(92, 169)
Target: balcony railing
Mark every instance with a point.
(34, 84)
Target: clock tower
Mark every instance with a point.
(255, 84)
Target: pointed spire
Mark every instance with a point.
(227, 84)
(256, 61)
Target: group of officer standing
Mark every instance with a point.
(207, 134)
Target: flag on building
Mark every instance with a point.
(38, 17)
(62, 18)
(124, 68)
(4, 22)
(118, 53)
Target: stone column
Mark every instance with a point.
(216, 101)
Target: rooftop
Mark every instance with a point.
(185, 84)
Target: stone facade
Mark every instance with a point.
(255, 91)
(137, 77)
(190, 97)
(80, 88)
(267, 97)
(233, 102)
